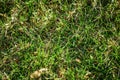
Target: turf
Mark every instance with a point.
(72, 39)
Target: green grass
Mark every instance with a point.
(73, 39)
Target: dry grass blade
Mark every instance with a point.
(37, 74)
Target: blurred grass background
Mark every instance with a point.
(73, 39)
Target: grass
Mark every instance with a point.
(72, 39)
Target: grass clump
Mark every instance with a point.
(56, 39)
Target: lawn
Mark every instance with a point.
(59, 39)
